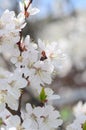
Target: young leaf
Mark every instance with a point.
(84, 126)
(1, 121)
(43, 95)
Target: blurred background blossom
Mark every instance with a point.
(63, 21)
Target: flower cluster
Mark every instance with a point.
(80, 121)
(35, 65)
(38, 118)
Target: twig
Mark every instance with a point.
(16, 112)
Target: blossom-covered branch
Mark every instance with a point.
(34, 68)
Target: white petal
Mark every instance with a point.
(33, 11)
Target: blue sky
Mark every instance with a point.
(45, 6)
(79, 3)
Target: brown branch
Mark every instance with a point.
(29, 4)
(26, 13)
(16, 112)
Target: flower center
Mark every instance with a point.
(2, 96)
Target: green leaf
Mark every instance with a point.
(84, 126)
(42, 95)
(1, 121)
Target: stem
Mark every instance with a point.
(28, 5)
(31, 1)
(16, 112)
(19, 108)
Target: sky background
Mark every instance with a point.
(45, 6)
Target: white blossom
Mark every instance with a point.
(30, 10)
(28, 57)
(53, 53)
(78, 123)
(43, 71)
(43, 117)
(79, 109)
(16, 83)
(10, 88)
(5, 95)
(33, 68)
(10, 26)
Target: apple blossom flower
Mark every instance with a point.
(30, 11)
(78, 123)
(43, 71)
(3, 116)
(53, 53)
(5, 95)
(16, 82)
(79, 109)
(10, 122)
(10, 88)
(28, 57)
(10, 26)
(42, 117)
